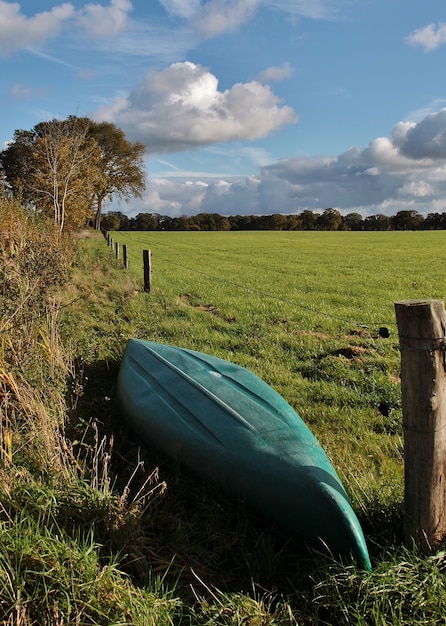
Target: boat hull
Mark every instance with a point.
(231, 428)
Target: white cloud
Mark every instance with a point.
(430, 37)
(181, 108)
(215, 17)
(18, 31)
(105, 21)
(427, 138)
(219, 16)
(172, 197)
(314, 9)
(273, 74)
(181, 8)
(208, 18)
(407, 170)
(417, 188)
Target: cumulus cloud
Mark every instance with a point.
(105, 21)
(405, 170)
(389, 171)
(430, 37)
(427, 139)
(181, 108)
(18, 31)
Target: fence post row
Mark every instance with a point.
(147, 260)
(421, 330)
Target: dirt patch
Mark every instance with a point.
(395, 378)
(350, 352)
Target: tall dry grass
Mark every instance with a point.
(34, 261)
(62, 526)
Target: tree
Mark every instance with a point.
(407, 220)
(435, 221)
(276, 221)
(121, 165)
(71, 165)
(16, 162)
(115, 220)
(330, 219)
(308, 219)
(377, 222)
(55, 167)
(352, 221)
(211, 221)
(146, 221)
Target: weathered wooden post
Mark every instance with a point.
(421, 329)
(117, 250)
(125, 258)
(147, 258)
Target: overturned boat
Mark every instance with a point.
(230, 427)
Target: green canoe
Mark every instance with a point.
(230, 427)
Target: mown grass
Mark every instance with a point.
(90, 534)
(304, 311)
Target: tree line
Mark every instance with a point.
(329, 220)
(66, 169)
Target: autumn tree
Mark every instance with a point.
(69, 167)
(56, 167)
(121, 165)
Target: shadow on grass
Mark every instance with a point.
(190, 535)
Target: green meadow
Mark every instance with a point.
(95, 530)
(304, 311)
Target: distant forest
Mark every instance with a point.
(329, 219)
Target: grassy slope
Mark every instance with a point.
(76, 545)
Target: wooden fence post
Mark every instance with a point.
(421, 330)
(125, 258)
(117, 250)
(147, 258)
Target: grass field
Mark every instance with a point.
(303, 310)
(88, 531)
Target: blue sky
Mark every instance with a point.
(245, 106)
